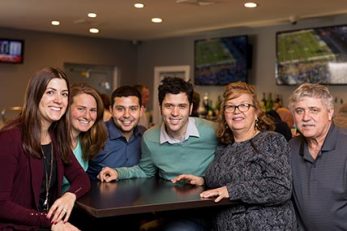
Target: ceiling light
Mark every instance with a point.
(94, 30)
(139, 5)
(55, 23)
(250, 5)
(157, 20)
(92, 15)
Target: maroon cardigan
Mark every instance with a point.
(21, 179)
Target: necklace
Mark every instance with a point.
(49, 157)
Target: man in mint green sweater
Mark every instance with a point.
(181, 144)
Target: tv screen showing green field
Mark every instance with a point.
(316, 55)
(220, 61)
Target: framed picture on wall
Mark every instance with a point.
(160, 73)
(314, 55)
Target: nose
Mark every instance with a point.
(58, 98)
(174, 111)
(126, 112)
(87, 114)
(237, 109)
(306, 115)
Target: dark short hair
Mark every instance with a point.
(175, 85)
(126, 91)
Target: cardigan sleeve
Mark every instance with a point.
(17, 203)
(78, 178)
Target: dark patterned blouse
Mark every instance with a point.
(258, 176)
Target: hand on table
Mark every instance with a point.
(64, 226)
(219, 193)
(190, 179)
(107, 174)
(62, 208)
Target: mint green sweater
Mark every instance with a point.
(191, 156)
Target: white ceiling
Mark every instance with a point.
(120, 20)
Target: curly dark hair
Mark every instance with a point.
(175, 85)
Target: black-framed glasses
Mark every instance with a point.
(243, 107)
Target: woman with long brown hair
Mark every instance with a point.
(35, 154)
(88, 131)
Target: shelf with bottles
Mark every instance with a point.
(267, 103)
(209, 110)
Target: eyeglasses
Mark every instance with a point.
(243, 107)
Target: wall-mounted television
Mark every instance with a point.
(219, 61)
(11, 51)
(314, 55)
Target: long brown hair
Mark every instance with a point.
(233, 90)
(93, 140)
(29, 120)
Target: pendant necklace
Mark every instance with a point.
(48, 177)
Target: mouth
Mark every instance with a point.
(84, 122)
(307, 125)
(58, 109)
(174, 121)
(237, 118)
(126, 122)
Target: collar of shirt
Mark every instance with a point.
(328, 145)
(115, 133)
(192, 130)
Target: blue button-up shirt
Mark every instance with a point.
(118, 152)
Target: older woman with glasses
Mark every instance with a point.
(250, 167)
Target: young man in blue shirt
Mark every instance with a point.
(123, 146)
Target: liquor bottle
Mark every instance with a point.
(277, 102)
(269, 102)
(205, 100)
(263, 103)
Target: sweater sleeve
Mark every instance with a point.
(78, 178)
(145, 168)
(272, 174)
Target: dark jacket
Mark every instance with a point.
(20, 182)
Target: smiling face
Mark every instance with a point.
(175, 111)
(241, 123)
(126, 113)
(83, 112)
(54, 101)
(312, 117)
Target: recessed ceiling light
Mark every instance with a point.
(55, 23)
(92, 15)
(157, 20)
(139, 5)
(94, 30)
(250, 5)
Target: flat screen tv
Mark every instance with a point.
(314, 55)
(219, 61)
(11, 51)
